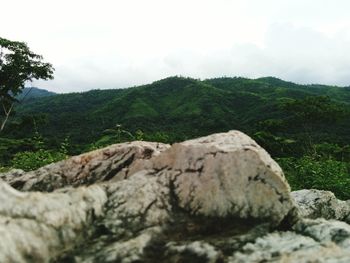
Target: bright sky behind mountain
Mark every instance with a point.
(120, 43)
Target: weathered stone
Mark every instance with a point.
(109, 250)
(313, 241)
(85, 169)
(10, 175)
(36, 227)
(214, 199)
(316, 203)
(325, 231)
(192, 252)
(225, 175)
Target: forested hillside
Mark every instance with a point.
(33, 93)
(289, 120)
(181, 108)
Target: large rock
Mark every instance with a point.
(37, 227)
(224, 175)
(310, 241)
(219, 198)
(316, 203)
(85, 169)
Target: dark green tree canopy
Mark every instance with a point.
(18, 64)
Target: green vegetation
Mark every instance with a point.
(18, 65)
(32, 93)
(306, 127)
(38, 155)
(308, 172)
(29, 161)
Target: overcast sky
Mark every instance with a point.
(98, 44)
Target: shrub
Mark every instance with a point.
(310, 173)
(4, 169)
(29, 161)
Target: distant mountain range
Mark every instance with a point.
(33, 92)
(177, 107)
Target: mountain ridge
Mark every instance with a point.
(33, 92)
(179, 107)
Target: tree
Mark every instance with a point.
(18, 65)
(311, 115)
(119, 132)
(313, 111)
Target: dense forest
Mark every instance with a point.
(306, 128)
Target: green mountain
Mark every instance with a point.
(178, 108)
(33, 92)
(306, 128)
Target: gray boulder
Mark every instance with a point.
(317, 203)
(318, 240)
(145, 201)
(85, 169)
(224, 175)
(219, 198)
(37, 227)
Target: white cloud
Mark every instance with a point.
(119, 43)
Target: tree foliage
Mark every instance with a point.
(313, 111)
(306, 126)
(18, 64)
(323, 174)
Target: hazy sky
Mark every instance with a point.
(97, 44)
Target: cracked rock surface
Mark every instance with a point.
(308, 241)
(219, 198)
(316, 203)
(85, 169)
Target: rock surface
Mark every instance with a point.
(36, 227)
(308, 241)
(85, 169)
(316, 203)
(225, 175)
(219, 198)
